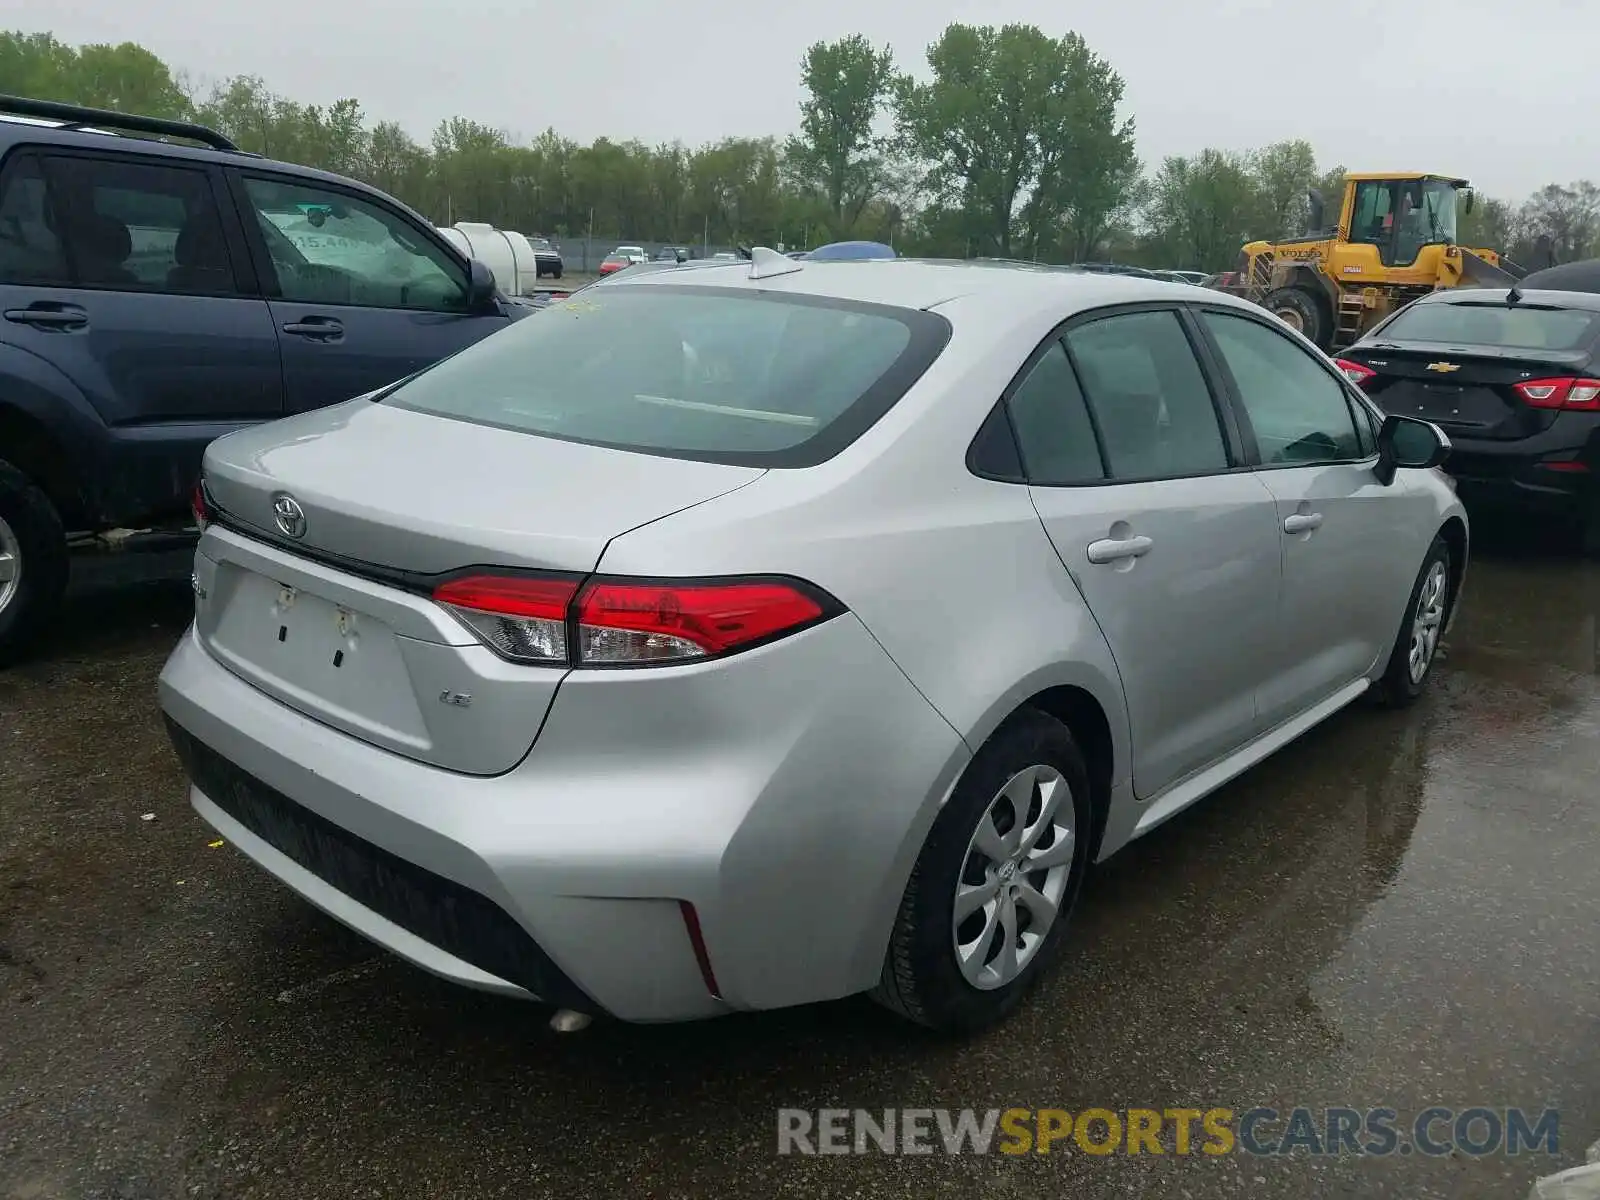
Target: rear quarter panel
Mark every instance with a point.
(953, 575)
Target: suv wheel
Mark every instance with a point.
(991, 892)
(33, 562)
(1417, 646)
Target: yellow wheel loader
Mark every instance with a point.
(1394, 239)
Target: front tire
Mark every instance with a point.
(1416, 648)
(1300, 310)
(33, 562)
(990, 895)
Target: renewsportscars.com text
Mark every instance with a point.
(1434, 1132)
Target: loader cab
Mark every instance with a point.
(1401, 215)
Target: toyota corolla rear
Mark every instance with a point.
(414, 692)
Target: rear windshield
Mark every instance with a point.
(1520, 328)
(692, 372)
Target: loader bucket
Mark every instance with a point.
(1478, 272)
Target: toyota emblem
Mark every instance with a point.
(290, 517)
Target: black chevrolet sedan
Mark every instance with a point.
(1514, 378)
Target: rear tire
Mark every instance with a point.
(1300, 310)
(33, 563)
(1416, 647)
(1025, 795)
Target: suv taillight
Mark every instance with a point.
(1562, 392)
(565, 621)
(1355, 372)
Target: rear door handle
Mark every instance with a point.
(1302, 522)
(324, 329)
(56, 317)
(1110, 550)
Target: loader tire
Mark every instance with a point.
(1301, 311)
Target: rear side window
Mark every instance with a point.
(716, 374)
(30, 251)
(139, 226)
(1519, 328)
(1054, 432)
(1149, 397)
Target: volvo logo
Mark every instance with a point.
(290, 517)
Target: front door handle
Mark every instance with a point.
(1302, 522)
(1110, 550)
(324, 329)
(53, 317)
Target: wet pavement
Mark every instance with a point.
(1399, 911)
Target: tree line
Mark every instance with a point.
(1010, 145)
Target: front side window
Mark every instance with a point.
(718, 374)
(136, 226)
(329, 248)
(1297, 408)
(1149, 396)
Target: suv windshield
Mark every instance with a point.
(1478, 324)
(707, 373)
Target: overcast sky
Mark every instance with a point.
(1501, 91)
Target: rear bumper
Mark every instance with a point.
(1534, 472)
(783, 793)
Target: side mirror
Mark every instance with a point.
(482, 295)
(1472, 198)
(1318, 210)
(1408, 442)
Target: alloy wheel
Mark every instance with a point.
(1014, 876)
(10, 565)
(1428, 623)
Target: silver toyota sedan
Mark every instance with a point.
(758, 633)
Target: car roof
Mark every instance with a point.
(927, 283)
(20, 130)
(1548, 297)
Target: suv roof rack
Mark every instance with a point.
(75, 116)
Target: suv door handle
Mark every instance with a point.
(1302, 522)
(1110, 550)
(324, 329)
(51, 317)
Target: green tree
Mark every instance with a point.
(126, 77)
(1201, 208)
(1006, 110)
(1283, 173)
(837, 152)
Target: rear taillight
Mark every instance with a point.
(1354, 371)
(625, 622)
(1563, 392)
(520, 617)
(200, 506)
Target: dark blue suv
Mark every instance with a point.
(157, 295)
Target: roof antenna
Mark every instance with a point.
(1514, 296)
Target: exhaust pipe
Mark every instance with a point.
(568, 1021)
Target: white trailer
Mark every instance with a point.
(505, 252)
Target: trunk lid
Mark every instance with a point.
(1476, 399)
(338, 623)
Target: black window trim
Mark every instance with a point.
(1233, 439)
(239, 260)
(929, 333)
(262, 259)
(1236, 399)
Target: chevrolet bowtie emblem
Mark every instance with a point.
(1443, 366)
